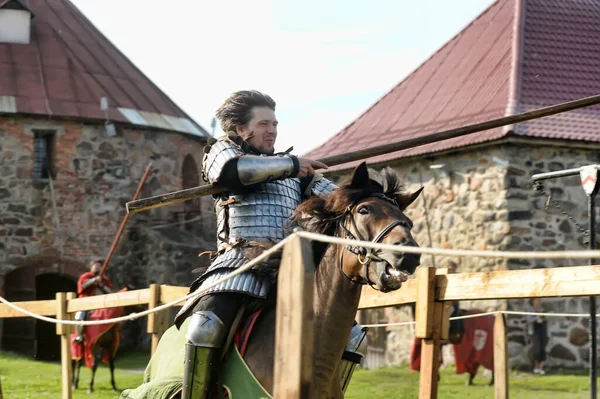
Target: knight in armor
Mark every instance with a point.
(263, 190)
(90, 284)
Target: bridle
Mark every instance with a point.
(364, 255)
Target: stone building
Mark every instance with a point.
(516, 56)
(79, 123)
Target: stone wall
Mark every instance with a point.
(94, 176)
(539, 227)
(482, 199)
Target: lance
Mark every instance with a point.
(195, 192)
(124, 221)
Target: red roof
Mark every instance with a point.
(69, 66)
(516, 56)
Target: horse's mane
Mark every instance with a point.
(318, 215)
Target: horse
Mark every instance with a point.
(369, 208)
(104, 345)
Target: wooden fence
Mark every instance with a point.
(430, 291)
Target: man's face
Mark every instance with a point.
(96, 266)
(261, 131)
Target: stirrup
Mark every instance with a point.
(78, 339)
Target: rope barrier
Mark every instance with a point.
(470, 316)
(134, 316)
(587, 254)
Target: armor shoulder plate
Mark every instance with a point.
(215, 158)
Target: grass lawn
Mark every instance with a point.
(23, 378)
(399, 382)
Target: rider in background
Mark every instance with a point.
(90, 284)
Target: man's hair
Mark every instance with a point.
(94, 261)
(237, 108)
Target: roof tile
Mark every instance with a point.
(468, 81)
(69, 65)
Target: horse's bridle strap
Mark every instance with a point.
(365, 255)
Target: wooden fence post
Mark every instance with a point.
(429, 325)
(424, 301)
(294, 330)
(154, 318)
(500, 359)
(65, 346)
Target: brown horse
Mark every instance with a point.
(103, 346)
(367, 208)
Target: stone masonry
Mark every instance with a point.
(482, 199)
(76, 215)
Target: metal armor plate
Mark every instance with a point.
(263, 215)
(220, 153)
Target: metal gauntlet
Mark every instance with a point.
(254, 169)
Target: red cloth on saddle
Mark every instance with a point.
(477, 344)
(242, 335)
(92, 333)
(89, 291)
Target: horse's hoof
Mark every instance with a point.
(115, 389)
(90, 390)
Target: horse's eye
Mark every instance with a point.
(363, 210)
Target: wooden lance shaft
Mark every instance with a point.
(124, 221)
(195, 192)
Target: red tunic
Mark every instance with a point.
(90, 291)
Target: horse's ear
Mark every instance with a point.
(404, 200)
(360, 178)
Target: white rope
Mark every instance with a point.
(334, 240)
(509, 312)
(134, 316)
(547, 314)
(402, 323)
(587, 254)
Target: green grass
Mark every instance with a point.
(24, 378)
(399, 383)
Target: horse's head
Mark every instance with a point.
(367, 208)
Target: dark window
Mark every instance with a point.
(43, 143)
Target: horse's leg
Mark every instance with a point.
(473, 374)
(76, 364)
(492, 380)
(97, 360)
(111, 364)
(470, 380)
